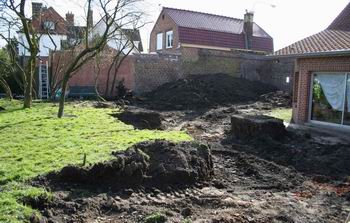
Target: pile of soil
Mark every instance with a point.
(205, 91)
(245, 127)
(303, 153)
(141, 118)
(159, 163)
(243, 189)
(277, 99)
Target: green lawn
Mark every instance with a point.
(33, 142)
(282, 113)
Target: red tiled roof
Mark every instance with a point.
(50, 14)
(211, 22)
(334, 39)
(325, 41)
(218, 31)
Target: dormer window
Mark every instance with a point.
(49, 25)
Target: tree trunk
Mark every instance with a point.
(62, 97)
(28, 88)
(6, 88)
(28, 91)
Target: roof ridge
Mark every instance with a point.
(204, 13)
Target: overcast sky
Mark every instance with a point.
(289, 21)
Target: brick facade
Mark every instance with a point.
(305, 67)
(164, 24)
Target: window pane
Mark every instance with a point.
(169, 39)
(328, 98)
(159, 41)
(347, 104)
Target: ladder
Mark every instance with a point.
(43, 81)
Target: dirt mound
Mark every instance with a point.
(205, 91)
(305, 155)
(141, 119)
(158, 163)
(277, 99)
(247, 127)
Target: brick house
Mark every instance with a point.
(56, 33)
(185, 32)
(322, 75)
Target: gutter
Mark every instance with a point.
(338, 53)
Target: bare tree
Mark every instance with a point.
(13, 15)
(115, 14)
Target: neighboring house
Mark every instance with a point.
(126, 40)
(55, 33)
(47, 23)
(322, 75)
(177, 31)
(103, 73)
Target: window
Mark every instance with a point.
(49, 25)
(169, 39)
(159, 41)
(331, 98)
(287, 80)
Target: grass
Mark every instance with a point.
(34, 142)
(285, 114)
(155, 218)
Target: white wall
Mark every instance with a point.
(45, 44)
(114, 43)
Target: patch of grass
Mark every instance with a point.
(34, 142)
(155, 218)
(285, 114)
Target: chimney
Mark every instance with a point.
(36, 8)
(248, 28)
(90, 21)
(70, 19)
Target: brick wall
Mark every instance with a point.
(249, 65)
(153, 70)
(304, 68)
(164, 24)
(95, 71)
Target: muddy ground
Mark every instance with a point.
(301, 177)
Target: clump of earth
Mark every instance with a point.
(157, 164)
(205, 91)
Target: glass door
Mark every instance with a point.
(347, 102)
(328, 97)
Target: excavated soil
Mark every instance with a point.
(205, 91)
(301, 177)
(244, 188)
(152, 164)
(141, 119)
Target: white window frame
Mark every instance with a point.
(159, 41)
(169, 43)
(49, 25)
(322, 123)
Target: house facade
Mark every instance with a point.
(183, 31)
(322, 75)
(55, 33)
